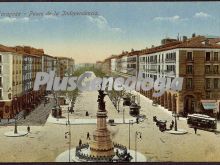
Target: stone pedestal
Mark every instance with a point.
(101, 144)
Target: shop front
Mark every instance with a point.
(209, 107)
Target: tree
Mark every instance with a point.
(116, 97)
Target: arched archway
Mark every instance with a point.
(189, 104)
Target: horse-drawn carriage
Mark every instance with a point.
(160, 123)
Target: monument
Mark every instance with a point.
(101, 144)
(101, 148)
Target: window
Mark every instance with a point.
(189, 56)
(207, 69)
(208, 83)
(0, 81)
(189, 69)
(208, 95)
(0, 69)
(216, 69)
(0, 58)
(216, 83)
(208, 56)
(189, 83)
(215, 56)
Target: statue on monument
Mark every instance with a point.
(101, 100)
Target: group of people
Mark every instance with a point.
(163, 124)
(87, 137)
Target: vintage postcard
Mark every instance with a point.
(109, 82)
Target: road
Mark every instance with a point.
(38, 116)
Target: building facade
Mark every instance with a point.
(197, 60)
(18, 68)
(194, 60)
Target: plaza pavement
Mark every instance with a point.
(45, 142)
(89, 98)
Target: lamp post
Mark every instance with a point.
(69, 135)
(175, 114)
(137, 135)
(68, 115)
(129, 136)
(123, 114)
(16, 129)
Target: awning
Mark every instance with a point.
(209, 104)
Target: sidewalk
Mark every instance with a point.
(63, 121)
(158, 106)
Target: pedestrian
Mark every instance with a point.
(137, 120)
(28, 129)
(80, 142)
(8, 119)
(117, 153)
(88, 136)
(195, 129)
(172, 122)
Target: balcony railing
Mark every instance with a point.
(170, 60)
(211, 72)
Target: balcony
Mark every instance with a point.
(209, 72)
(170, 60)
(170, 72)
(153, 62)
(152, 70)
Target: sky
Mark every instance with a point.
(116, 26)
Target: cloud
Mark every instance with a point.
(201, 15)
(24, 19)
(175, 18)
(8, 20)
(102, 23)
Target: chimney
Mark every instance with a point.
(184, 38)
(206, 42)
(178, 37)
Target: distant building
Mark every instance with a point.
(65, 66)
(82, 65)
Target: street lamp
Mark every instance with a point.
(68, 115)
(69, 136)
(175, 114)
(130, 122)
(16, 129)
(137, 135)
(123, 114)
